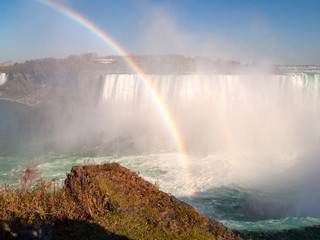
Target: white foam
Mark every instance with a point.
(3, 78)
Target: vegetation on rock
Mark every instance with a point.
(102, 202)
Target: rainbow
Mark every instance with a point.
(165, 111)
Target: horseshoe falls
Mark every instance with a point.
(252, 143)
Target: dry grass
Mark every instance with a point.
(110, 200)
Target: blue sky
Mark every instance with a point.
(270, 31)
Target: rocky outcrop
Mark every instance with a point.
(124, 193)
(104, 201)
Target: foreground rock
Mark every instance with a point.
(100, 202)
(141, 206)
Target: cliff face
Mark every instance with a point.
(21, 88)
(51, 81)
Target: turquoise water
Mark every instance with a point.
(238, 208)
(255, 167)
(247, 211)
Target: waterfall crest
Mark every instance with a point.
(217, 112)
(3, 78)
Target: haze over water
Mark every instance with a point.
(252, 138)
(252, 145)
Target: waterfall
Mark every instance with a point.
(250, 129)
(3, 78)
(252, 140)
(298, 89)
(265, 112)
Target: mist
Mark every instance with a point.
(250, 129)
(255, 131)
